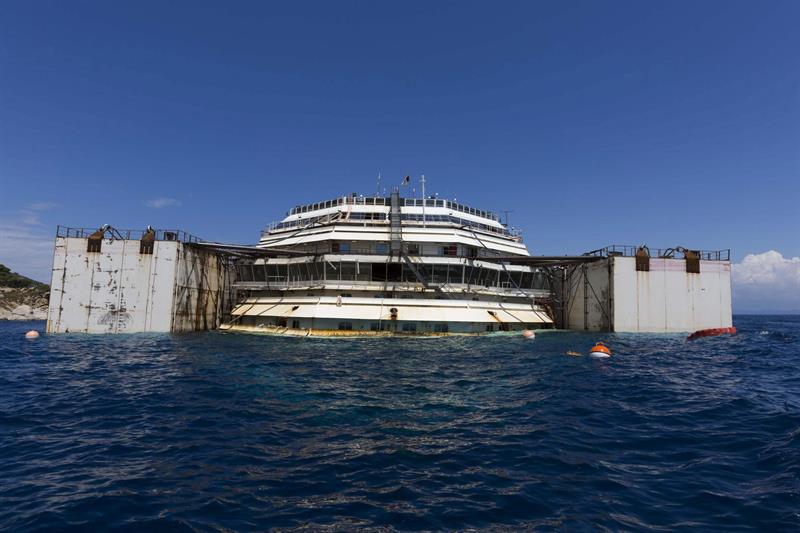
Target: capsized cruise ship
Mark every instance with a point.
(379, 265)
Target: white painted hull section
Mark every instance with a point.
(666, 299)
(119, 290)
(408, 309)
(431, 234)
(321, 314)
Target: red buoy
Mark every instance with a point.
(712, 332)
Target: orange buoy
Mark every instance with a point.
(528, 334)
(32, 334)
(712, 332)
(600, 350)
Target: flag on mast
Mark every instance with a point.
(406, 180)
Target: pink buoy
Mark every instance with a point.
(32, 334)
(528, 334)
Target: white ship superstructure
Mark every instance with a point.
(390, 265)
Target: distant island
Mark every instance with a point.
(22, 298)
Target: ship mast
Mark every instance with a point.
(424, 200)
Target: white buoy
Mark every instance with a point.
(528, 334)
(32, 334)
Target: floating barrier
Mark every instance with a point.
(712, 332)
(600, 350)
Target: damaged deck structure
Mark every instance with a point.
(126, 281)
(378, 264)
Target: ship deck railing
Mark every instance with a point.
(128, 234)
(382, 254)
(386, 201)
(677, 252)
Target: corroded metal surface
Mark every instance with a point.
(120, 289)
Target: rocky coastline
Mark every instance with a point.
(22, 298)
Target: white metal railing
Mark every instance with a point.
(627, 250)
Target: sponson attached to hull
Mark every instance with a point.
(378, 265)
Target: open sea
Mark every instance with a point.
(224, 431)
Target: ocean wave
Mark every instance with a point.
(216, 431)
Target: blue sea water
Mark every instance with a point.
(220, 431)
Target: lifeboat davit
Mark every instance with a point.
(712, 332)
(600, 350)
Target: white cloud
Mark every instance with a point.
(26, 250)
(161, 202)
(30, 218)
(767, 282)
(26, 246)
(30, 215)
(42, 206)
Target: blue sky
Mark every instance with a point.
(594, 122)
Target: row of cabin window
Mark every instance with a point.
(450, 250)
(383, 217)
(386, 325)
(454, 220)
(411, 327)
(340, 201)
(382, 248)
(314, 207)
(390, 272)
(408, 327)
(379, 217)
(346, 248)
(409, 202)
(431, 202)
